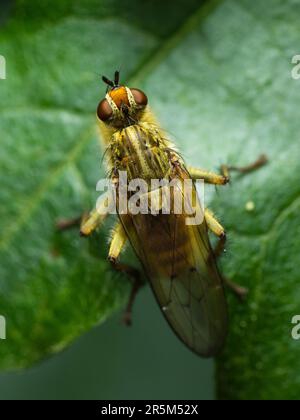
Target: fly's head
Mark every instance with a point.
(122, 106)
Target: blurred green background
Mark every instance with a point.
(218, 75)
(145, 361)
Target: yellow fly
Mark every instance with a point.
(176, 256)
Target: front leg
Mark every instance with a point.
(215, 227)
(118, 243)
(208, 177)
(261, 161)
(224, 177)
(96, 218)
(88, 222)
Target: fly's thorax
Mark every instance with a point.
(140, 151)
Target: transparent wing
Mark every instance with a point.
(180, 265)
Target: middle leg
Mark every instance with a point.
(215, 227)
(118, 242)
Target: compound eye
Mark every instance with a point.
(104, 110)
(139, 97)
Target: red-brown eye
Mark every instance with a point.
(104, 110)
(139, 97)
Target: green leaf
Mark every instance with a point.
(218, 76)
(54, 287)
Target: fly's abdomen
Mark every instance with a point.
(161, 244)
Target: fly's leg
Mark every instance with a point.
(216, 228)
(96, 218)
(224, 177)
(261, 161)
(118, 242)
(91, 222)
(239, 291)
(88, 223)
(66, 224)
(208, 177)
